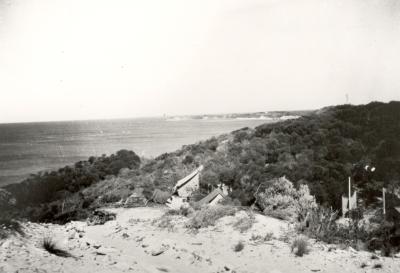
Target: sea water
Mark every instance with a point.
(27, 148)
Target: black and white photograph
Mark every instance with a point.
(199, 136)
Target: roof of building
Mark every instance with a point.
(181, 183)
(210, 197)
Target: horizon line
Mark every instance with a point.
(155, 116)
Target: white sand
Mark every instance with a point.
(128, 245)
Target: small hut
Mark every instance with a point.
(213, 198)
(186, 186)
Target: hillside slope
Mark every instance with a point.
(321, 150)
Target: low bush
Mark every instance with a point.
(165, 222)
(209, 215)
(283, 201)
(9, 227)
(300, 246)
(257, 238)
(195, 205)
(322, 224)
(268, 237)
(173, 212)
(184, 211)
(6, 199)
(385, 238)
(245, 222)
(280, 214)
(238, 247)
(100, 217)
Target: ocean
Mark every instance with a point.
(27, 148)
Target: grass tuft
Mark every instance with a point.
(238, 247)
(300, 246)
(377, 266)
(374, 257)
(50, 246)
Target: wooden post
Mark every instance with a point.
(62, 208)
(349, 193)
(384, 201)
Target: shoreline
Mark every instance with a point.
(157, 141)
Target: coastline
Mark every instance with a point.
(58, 144)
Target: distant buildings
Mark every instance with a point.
(185, 188)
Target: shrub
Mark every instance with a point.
(283, 201)
(195, 205)
(228, 201)
(165, 222)
(320, 224)
(6, 199)
(208, 216)
(188, 160)
(173, 212)
(100, 217)
(374, 257)
(300, 246)
(384, 238)
(285, 215)
(269, 236)
(184, 211)
(259, 238)
(45, 187)
(50, 246)
(9, 226)
(238, 247)
(110, 197)
(244, 223)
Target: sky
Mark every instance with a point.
(95, 59)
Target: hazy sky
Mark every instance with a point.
(85, 59)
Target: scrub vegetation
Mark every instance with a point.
(284, 168)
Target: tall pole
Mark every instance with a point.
(349, 193)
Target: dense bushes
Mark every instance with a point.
(6, 199)
(281, 200)
(319, 150)
(50, 186)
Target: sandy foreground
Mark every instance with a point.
(134, 243)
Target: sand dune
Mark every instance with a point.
(134, 243)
